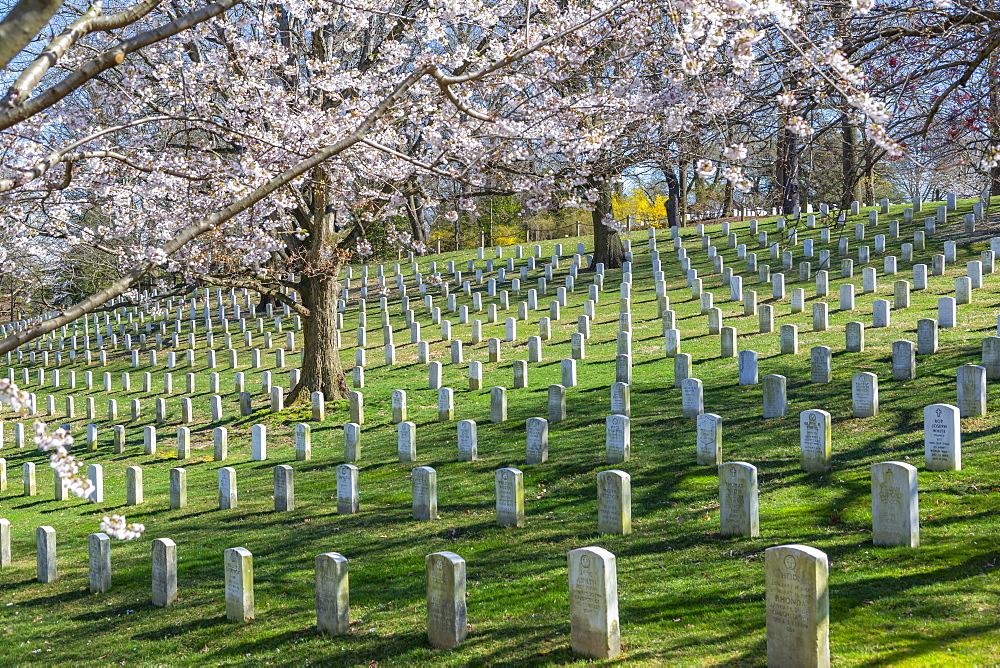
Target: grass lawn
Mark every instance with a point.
(687, 596)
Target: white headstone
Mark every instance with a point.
(895, 518)
(593, 603)
(738, 513)
(797, 606)
(815, 440)
(942, 438)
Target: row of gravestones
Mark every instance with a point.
(970, 386)
(796, 587)
(383, 302)
(975, 271)
(172, 361)
(592, 587)
(258, 441)
(71, 345)
(975, 268)
(942, 436)
(737, 480)
(810, 222)
(716, 263)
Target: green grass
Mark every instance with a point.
(687, 596)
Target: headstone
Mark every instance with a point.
(318, 404)
(942, 438)
(947, 312)
(447, 625)
(45, 544)
(797, 606)
(99, 562)
(352, 442)
(284, 488)
(239, 584)
(468, 441)
(821, 317)
(895, 517)
(971, 390)
(618, 439)
(614, 503)
(621, 400)
(332, 594)
(855, 337)
(821, 364)
(228, 498)
(748, 367)
(357, 407)
(692, 398)
(424, 493)
(509, 484)
(765, 319)
(347, 489)
(537, 440)
(738, 513)
(708, 450)
(5, 555)
(904, 361)
(847, 297)
(927, 336)
(814, 440)
(498, 404)
(178, 488)
(258, 443)
(164, 558)
(864, 395)
(406, 441)
(880, 313)
(775, 396)
(593, 603)
(991, 357)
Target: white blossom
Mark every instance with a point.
(705, 169)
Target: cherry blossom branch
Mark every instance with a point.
(104, 23)
(210, 222)
(64, 154)
(402, 156)
(531, 48)
(12, 111)
(440, 77)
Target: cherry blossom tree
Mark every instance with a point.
(241, 144)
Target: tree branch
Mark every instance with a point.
(22, 24)
(211, 221)
(88, 70)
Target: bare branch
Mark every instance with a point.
(23, 24)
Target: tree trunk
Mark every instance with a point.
(321, 370)
(727, 200)
(787, 172)
(415, 215)
(608, 247)
(673, 196)
(682, 183)
(853, 188)
(994, 126)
